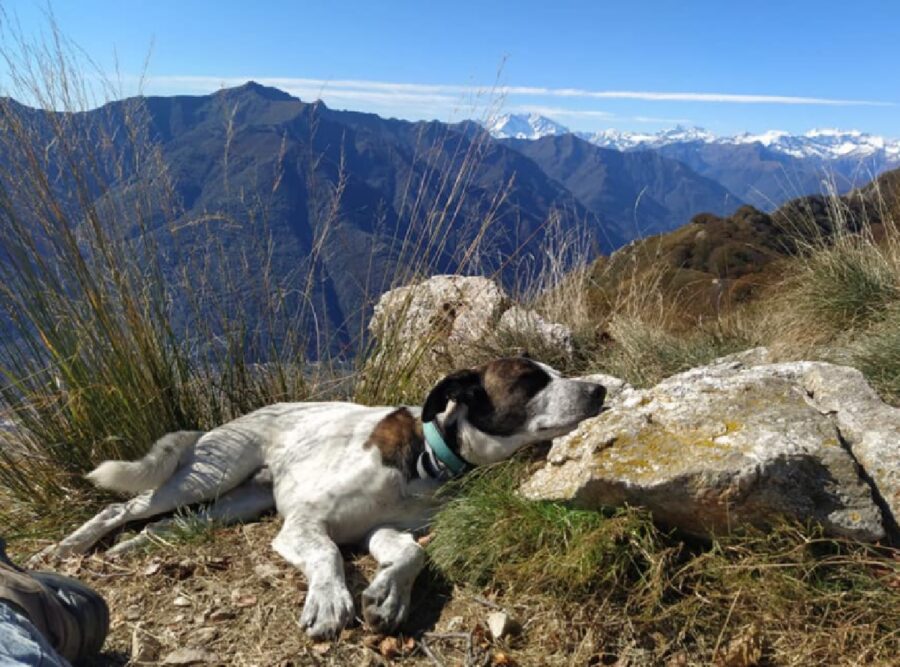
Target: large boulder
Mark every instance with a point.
(430, 326)
(737, 443)
(447, 322)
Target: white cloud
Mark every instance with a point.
(552, 112)
(440, 93)
(665, 121)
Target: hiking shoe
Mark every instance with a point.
(73, 617)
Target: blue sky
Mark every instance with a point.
(726, 66)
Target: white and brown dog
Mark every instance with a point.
(344, 473)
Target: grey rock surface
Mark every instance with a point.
(526, 322)
(437, 324)
(737, 443)
(431, 324)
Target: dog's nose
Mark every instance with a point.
(598, 393)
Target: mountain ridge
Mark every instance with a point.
(643, 192)
(764, 170)
(824, 143)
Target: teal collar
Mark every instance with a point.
(435, 441)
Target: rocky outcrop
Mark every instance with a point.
(738, 442)
(441, 323)
(520, 321)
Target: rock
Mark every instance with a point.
(144, 647)
(181, 601)
(190, 656)
(870, 427)
(437, 319)
(527, 323)
(434, 326)
(726, 445)
(502, 624)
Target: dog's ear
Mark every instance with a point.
(460, 386)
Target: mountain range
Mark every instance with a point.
(639, 192)
(764, 170)
(341, 204)
(332, 205)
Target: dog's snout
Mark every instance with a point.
(597, 394)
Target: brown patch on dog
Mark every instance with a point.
(400, 439)
(509, 384)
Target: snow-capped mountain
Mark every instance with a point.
(820, 144)
(524, 126)
(826, 144)
(626, 141)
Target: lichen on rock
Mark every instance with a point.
(737, 443)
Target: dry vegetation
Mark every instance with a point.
(100, 369)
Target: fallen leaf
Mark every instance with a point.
(500, 658)
(744, 650)
(389, 648)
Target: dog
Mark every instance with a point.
(341, 473)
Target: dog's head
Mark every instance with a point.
(506, 404)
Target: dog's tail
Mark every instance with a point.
(132, 477)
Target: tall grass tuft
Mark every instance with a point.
(846, 285)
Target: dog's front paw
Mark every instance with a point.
(328, 608)
(386, 601)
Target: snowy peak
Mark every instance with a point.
(822, 144)
(825, 144)
(637, 140)
(524, 126)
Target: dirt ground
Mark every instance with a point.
(226, 598)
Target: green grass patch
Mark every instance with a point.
(877, 354)
(804, 598)
(488, 534)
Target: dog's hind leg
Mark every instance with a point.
(305, 544)
(247, 502)
(221, 461)
(400, 559)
